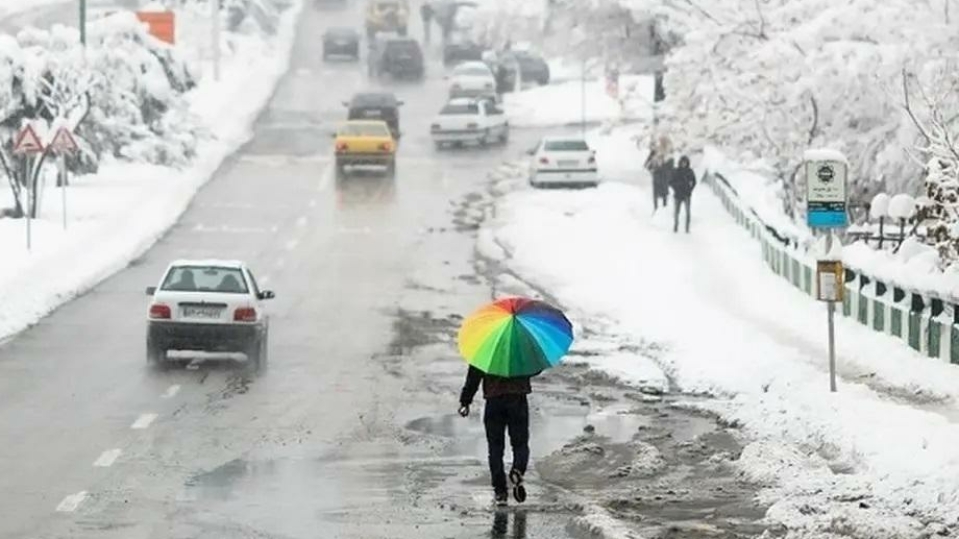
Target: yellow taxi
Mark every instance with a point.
(365, 142)
(386, 16)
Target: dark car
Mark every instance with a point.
(399, 57)
(341, 42)
(532, 67)
(458, 51)
(376, 106)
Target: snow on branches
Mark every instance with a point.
(775, 77)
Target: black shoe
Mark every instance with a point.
(501, 499)
(519, 491)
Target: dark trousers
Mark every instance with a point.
(507, 413)
(659, 198)
(677, 202)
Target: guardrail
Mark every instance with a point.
(924, 322)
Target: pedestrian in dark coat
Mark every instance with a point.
(507, 410)
(426, 12)
(682, 183)
(660, 165)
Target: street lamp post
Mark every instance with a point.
(216, 37)
(83, 22)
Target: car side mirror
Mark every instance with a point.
(332, 135)
(151, 290)
(266, 294)
(531, 152)
(345, 103)
(400, 103)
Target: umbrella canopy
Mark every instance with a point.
(514, 337)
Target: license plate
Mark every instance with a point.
(201, 312)
(342, 42)
(567, 163)
(372, 114)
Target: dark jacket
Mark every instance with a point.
(683, 180)
(662, 175)
(493, 386)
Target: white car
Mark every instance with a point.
(208, 306)
(471, 79)
(470, 120)
(563, 161)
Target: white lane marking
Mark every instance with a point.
(107, 458)
(301, 222)
(72, 502)
(171, 392)
(143, 421)
(326, 177)
(290, 245)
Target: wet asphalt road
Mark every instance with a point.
(97, 445)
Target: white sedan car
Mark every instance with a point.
(207, 306)
(472, 79)
(563, 161)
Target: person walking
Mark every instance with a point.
(682, 182)
(426, 12)
(660, 165)
(507, 410)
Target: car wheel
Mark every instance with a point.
(484, 140)
(257, 353)
(439, 145)
(156, 356)
(504, 136)
(391, 168)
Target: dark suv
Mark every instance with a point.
(398, 57)
(376, 106)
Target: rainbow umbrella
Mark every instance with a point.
(515, 337)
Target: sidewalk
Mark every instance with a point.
(730, 327)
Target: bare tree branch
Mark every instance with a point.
(814, 129)
(908, 106)
(762, 21)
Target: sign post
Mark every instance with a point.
(62, 144)
(26, 145)
(825, 210)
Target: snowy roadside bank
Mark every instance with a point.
(118, 213)
(858, 463)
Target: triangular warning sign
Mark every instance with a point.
(63, 141)
(27, 141)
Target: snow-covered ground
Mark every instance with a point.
(561, 103)
(868, 461)
(13, 7)
(133, 204)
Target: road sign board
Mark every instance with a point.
(27, 141)
(826, 193)
(63, 141)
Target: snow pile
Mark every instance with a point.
(853, 463)
(130, 201)
(562, 103)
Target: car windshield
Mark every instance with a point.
(403, 47)
(364, 130)
(473, 71)
(205, 279)
(458, 108)
(570, 145)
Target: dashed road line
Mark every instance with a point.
(107, 458)
(72, 502)
(143, 421)
(171, 392)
